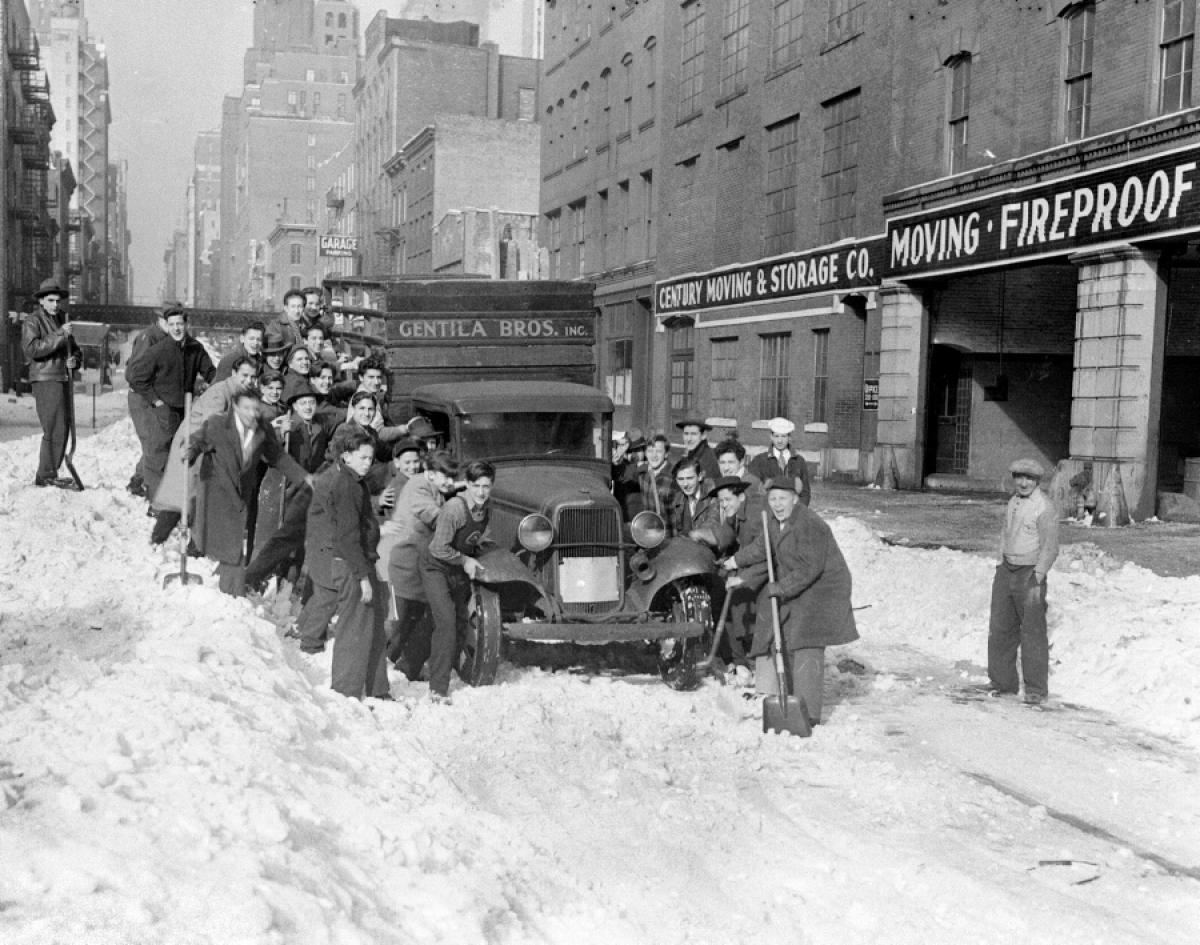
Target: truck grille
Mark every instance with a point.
(587, 546)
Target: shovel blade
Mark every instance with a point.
(788, 716)
(185, 579)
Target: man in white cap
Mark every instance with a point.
(781, 461)
(1029, 545)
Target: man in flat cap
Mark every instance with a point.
(1029, 545)
(781, 461)
(52, 354)
(696, 447)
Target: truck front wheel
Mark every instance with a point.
(479, 655)
(678, 655)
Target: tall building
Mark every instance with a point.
(119, 276)
(205, 218)
(78, 71)
(281, 138)
(934, 236)
(30, 182)
(414, 72)
(603, 122)
(515, 26)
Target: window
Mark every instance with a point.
(839, 167)
(316, 101)
(312, 141)
(621, 224)
(341, 105)
(604, 106)
(341, 21)
(294, 255)
(291, 100)
(779, 216)
(312, 162)
(685, 176)
(787, 25)
(310, 184)
(618, 376)
(579, 235)
(960, 105)
(820, 406)
(294, 282)
(573, 120)
(1080, 34)
(683, 368)
(526, 104)
(554, 222)
(722, 389)
(648, 213)
(773, 369)
(845, 20)
(735, 46)
(310, 75)
(651, 76)
(601, 221)
(691, 65)
(585, 113)
(1175, 55)
(627, 111)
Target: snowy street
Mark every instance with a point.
(174, 771)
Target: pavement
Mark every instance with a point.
(967, 522)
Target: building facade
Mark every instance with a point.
(515, 26)
(281, 138)
(603, 121)
(934, 236)
(414, 72)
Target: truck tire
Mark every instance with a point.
(479, 655)
(678, 656)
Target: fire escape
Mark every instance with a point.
(29, 133)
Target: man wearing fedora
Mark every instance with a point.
(695, 446)
(1028, 547)
(781, 461)
(53, 354)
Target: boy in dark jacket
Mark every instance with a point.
(340, 548)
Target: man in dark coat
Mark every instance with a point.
(287, 331)
(280, 538)
(695, 445)
(169, 371)
(52, 354)
(249, 346)
(656, 480)
(692, 514)
(812, 585)
(232, 444)
(340, 549)
(140, 411)
(781, 461)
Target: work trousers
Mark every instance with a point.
(141, 413)
(448, 593)
(807, 669)
(360, 645)
(409, 645)
(287, 541)
(1018, 621)
(50, 399)
(161, 426)
(231, 579)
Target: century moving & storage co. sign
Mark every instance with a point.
(339, 246)
(839, 268)
(1154, 196)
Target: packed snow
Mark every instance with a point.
(174, 771)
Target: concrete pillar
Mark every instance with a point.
(1120, 334)
(903, 364)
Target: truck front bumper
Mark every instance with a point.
(547, 632)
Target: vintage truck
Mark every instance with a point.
(505, 371)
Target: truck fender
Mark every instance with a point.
(678, 558)
(504, 567)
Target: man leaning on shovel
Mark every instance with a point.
(53, 354)
(812, 585)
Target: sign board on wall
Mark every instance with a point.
(492, 330)
(344, 247)
(1150, 197)
(838, 268)
(871, 394)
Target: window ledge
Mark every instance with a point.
(646, 125)
(606, 27)
(688, 118)
(783, 70)
(725, 100)
(602, 147)
(840, 41)
(553, 174)
(623, 136)
(816, 428)
(550, 70)
(580, 47)
(575, 163)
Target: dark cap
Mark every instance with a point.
(406, 445)
(296, 386)
(783, 483)
(702, 424)
(50, 287)
(637, 439)
(419, 428)
(736, 483)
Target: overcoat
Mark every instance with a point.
(306, 447)
(228, 480)
(216, 400)
(406, 534)
(814, 606)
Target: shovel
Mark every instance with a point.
(784, 712)
(185, 532)
(69, 458)
(705, 664)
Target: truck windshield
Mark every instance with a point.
(490, 435)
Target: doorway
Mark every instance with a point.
(949, 438)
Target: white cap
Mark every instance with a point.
(619, 436)
(780, 426)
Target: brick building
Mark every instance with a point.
(603, 120)
(415, 72)
(282, 136)
(935, 235)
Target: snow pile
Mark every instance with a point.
(173, 771)
(1123, 639)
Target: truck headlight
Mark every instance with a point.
(648, 530)
(535, 533)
